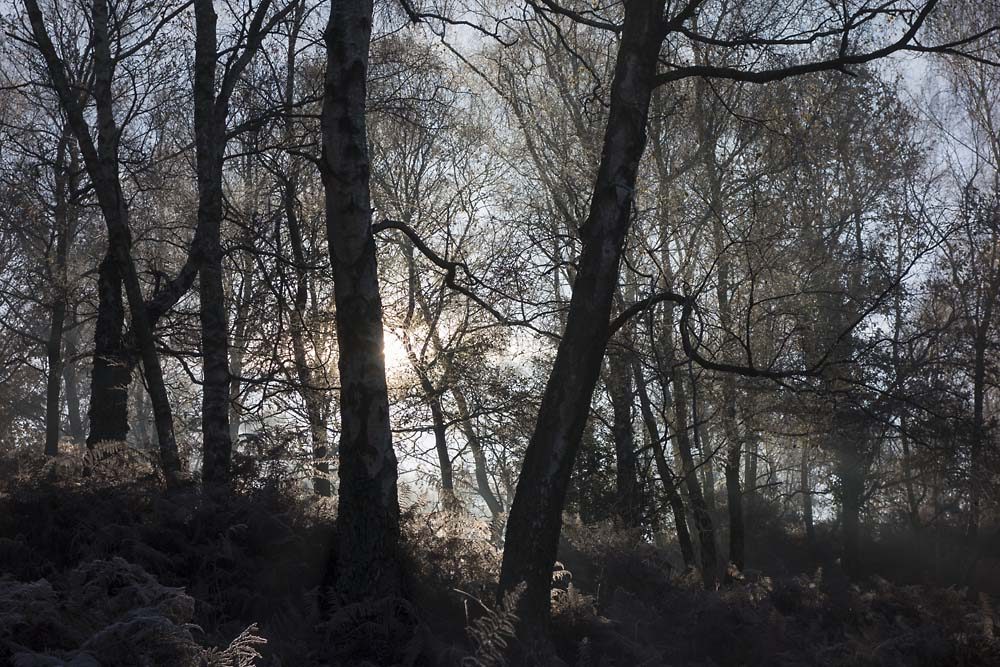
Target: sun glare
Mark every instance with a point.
(394, 352)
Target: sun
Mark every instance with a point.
(394, 353)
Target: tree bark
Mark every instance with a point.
(536, 513)
(210, 114)
(111, 374)
(368, 516)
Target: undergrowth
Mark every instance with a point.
(100, 566)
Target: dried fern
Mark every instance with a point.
(490, 633)
(241, 652)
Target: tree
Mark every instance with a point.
(533, 527)
(368, 515)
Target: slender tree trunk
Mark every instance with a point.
(483, 486)
(978, 422)
(734, 495)
(310, 374)
(536, 514)
(438, 422)
(850, 471)
(621, 391)
(912, 503)
(141, 417)
(72, 382)
(807, 496)
(60, 290)
(444, 458)
(210, 115)
(750, 467)
(699, 505)
(368, 515)
(667, 476)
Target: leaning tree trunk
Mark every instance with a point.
(699, 504)
(478, 455)
(667, 476)
(536, 512)
(368, 515)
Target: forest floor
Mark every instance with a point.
(103, 572)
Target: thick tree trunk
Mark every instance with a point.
(111, 372)
(118, 269)
(368, 516)
(536, 514)
(851, 487)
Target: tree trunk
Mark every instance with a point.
(536, 513)
(807, 497)
(478, 456)
(210, 115)
(699, 505)
(111, 372)
(734, 494)
(368, 516)
(850, 471)
(118, 269)
(978, 420)
(620, 388)
(310, 375)
(60, 290)
(750, 467)
(667, 476)
(72, 382)
(448, 499)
